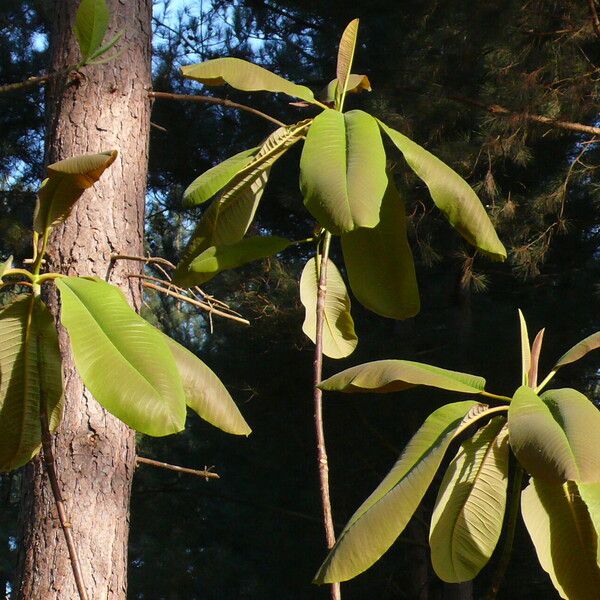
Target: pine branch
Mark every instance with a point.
(595, 18)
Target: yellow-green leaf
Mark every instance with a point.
(66, 182)
(451, 194)
(339, 338)
(469, 510)
(385, 513)
(379, 262)
(91, 23)
(383, 376)
(525, 351)
(342, 170)
(246, 76)
(124, 362)
(30, 373)
(579, 350)
(346, 55)
(590, 494)
(559, 525)
(356, 83)
(5, 266)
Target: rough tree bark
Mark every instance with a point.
(103, 108)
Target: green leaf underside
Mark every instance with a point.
(122, 359)
(525, 350)
(229, 216)
(66, 182)
(30, 370)
(579, 350)
(245, 76)
(339, 338)
(451, 194)
(342, 170)
(346, 54)
(356, 83)
(469, 510)
(379, 262)
(395, 375)
(590, 494)
(555, 435)
(91, 22)
(210, 182)
(5, 266)
(383, 516)
(204, 392)
(563, 535)
(221, 258)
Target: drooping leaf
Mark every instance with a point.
(228, 218)
(356, 83)
(204, 392)
(383, 376)
(245, 76)
(379, 262)
(451, 194)
(383, 516)
(579, 350)
(346, 55)
(121, 358)
(342, 170)
(5, 266)
(91, 23)
(590, 494)
(30, 373)
(525, 351)
(66, 181)
(210, 182)
(469, 510)
(555, 435)
(339, 338)
(564, 538)
(221, 258)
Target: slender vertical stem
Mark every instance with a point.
(323, 464)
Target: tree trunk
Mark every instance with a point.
(105, 107)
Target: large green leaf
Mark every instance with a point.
(210, 182)
(66, 181)
(379, 262)
(525, 350)
(204, 392)
(564, 537)
(395, 375)
(469, 510)
(342, 170)
(346, 55)
(228, 218)
(555, 435)
(356, 83)
(221, 258)
(121, 358)
(30, 372)
(451, 194)
(339, 338)
(91, 23)
(383, 516)
(590, 494)
(245, 76)
(579, 350)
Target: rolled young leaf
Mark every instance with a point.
(91, 23)
(66, 182)
(564, 538)
(579, 350)
(383, 516)
(124, 362)
(246, 76)
(379, 262)
(555, 435)
(451, 194)
(525, 350)
(221, 258)
(30, 373)
(395, 375)
(342, 170)
(469, 510)
(339, 338)
(204, 392)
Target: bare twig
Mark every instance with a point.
(219, 101)
(323, 463)
(145, 259)
(35, 81)
(207, 473)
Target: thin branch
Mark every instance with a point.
(35, 81)
(219, 101)
(595, 18)
(145, 259)
(502, 111)
(207, 473)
